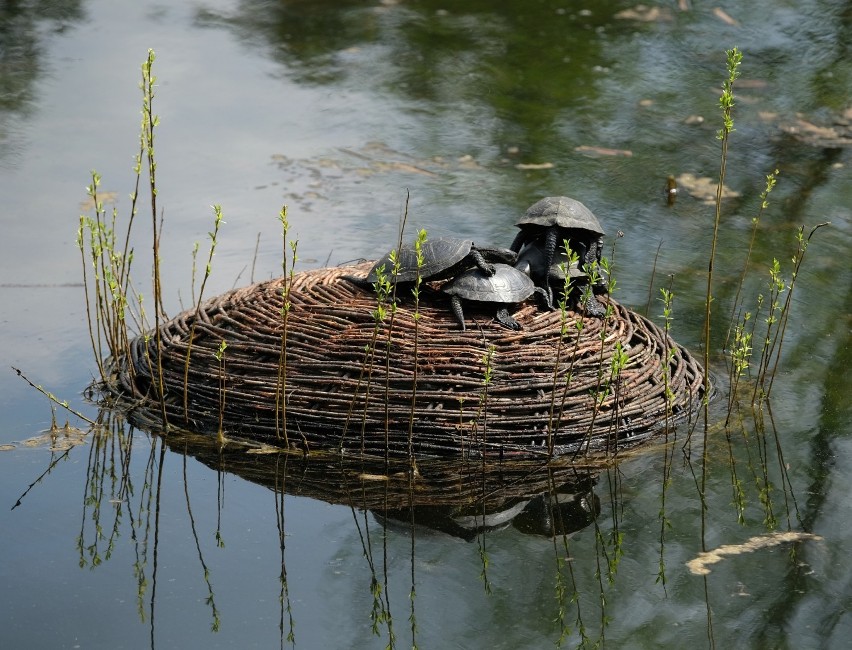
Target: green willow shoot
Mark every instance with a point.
(217, 222)
(288, 271)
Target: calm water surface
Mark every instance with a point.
(477, 109)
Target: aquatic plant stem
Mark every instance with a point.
(653, 275)
(567, 287)
(287, 276)
(149, 122)
(771, 180)
(797, 261)
(96, 344)
(726, 103)
(217, 211)
(52, 397)
(412, 473)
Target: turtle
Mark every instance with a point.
(506, 286)
(555, 218)
(531, 262)
(443, 257)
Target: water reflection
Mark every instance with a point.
(399, 509)
(522, 68)
(506, 96)
(23, 28)
(462, 499)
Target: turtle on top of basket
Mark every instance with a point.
(536, 263)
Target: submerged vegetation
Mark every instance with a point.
(463, 496)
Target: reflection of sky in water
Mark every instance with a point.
(338, 122)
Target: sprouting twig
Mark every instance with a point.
(53, 398)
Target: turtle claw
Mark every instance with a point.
(594, 308)
(487, 267)
(507, 321)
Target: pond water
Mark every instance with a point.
(341, 110)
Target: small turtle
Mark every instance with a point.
(531, 262)
(505, 287)
(555, 218)
(443, 257)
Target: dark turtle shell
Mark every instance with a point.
(507, 285)
(561, 211)
(443, 257)
(440, 256)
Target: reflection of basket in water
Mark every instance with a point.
(339, 395)
(460, 497)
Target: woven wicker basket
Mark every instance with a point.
(409, 385)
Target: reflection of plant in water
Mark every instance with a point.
(482, 415)
(111, 479)
(667, 298)
(284, 594)
(566, 594)
(102, 481)
(210, 600)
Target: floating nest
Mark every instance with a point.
(411, 384)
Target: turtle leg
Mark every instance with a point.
(518, 242)
(550, 240)
(551, 236)
(583, 253)
(456, 305)
(486, 267)
(545, 298)
(505, 320)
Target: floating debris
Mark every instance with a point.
(645, 14)
(525, 166)
(602, 151)
(704, 189)
(838, 135)
(699, 565)
(725, 17)
(58, 439)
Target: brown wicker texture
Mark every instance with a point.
(350, 384)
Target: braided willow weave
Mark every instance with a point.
(347, 382)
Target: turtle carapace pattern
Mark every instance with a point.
(556, 218)
(507, 286)
(443, 257)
